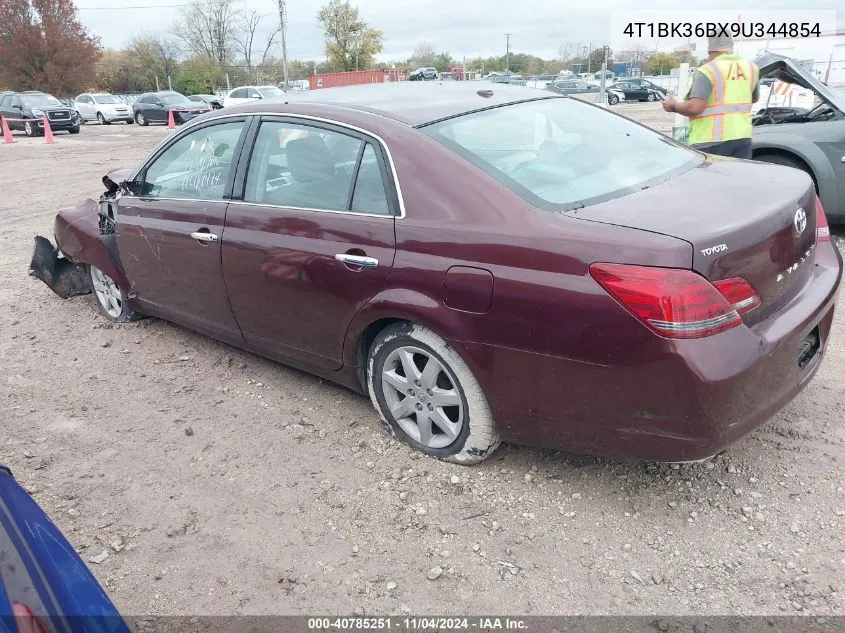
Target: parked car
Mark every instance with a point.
(44, 585)
(813, 142)
(645, 83)
(247, 94)
(103, 108)
(632, 92)
(572, 86)
(215, 102)
(583, 250)
(423, 74)
(607, 74)
(33, 106)
(154, 107)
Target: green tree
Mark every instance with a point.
(597, 59)
(661, 64)
(351, 43)
(198, 75)
(443, 62)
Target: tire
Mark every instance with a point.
(74, 130)
(30, 129)
(652, 96)
(612, 99)
(101, 119)
(110, 300)
(130, 121)
(779, 159)
(466, 432)
(140, 119)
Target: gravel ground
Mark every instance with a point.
(222, 483)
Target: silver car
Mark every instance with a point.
(103, 108)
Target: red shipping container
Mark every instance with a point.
(356, 77)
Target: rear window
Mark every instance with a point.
(562, 154)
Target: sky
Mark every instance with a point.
(468, 28)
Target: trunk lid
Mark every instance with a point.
(743, 219)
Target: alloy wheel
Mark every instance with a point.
(107, 292)
(423, 397)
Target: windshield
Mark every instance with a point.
(175, 99)
(560, 153)
(106, 99)
(40, 101)
(271, 91)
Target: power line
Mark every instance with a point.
(133, 7)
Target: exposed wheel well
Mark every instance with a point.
(365, 342)
(759, 154)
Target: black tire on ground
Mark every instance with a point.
(101, 119)
(130, 121)
(140, 119)
(476, 438)
(74, 129)
(30, 129)
(115, 309)
(612, 99)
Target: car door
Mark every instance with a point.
(168, 231)
(312, 239)
(83, 107)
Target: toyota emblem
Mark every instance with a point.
(800, 221)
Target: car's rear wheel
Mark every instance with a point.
(612, 99)
(428, 397)
(140, 119)
(109, 298)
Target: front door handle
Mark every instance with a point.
(357, 260)
(204, 236)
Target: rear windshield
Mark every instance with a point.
(106, 99)
(561, 154)
(270, 92)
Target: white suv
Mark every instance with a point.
(103, 107)
(247, 94)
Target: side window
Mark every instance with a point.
(143, 100)
(254, 94)
(5, 102)
(240, 94)
(196, 166)
(301, 166)
(370, 196)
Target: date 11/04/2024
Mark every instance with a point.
(417, 624)
(722, 29)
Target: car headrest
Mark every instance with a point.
(310, 159)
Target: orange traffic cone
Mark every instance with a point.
(171, 124)
(48, 133)
(7, 133)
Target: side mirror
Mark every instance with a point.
(132, 187)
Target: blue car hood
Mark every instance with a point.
(41, 573)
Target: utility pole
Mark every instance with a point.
(283, 24)
(507, 53)
(589, 61)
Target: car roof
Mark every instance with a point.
(417, 103)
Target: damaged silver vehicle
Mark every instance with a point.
(812, 139)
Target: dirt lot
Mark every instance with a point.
(222, 483)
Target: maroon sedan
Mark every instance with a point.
(485, 264)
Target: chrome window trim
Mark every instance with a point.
(306, 117)
(388, 216)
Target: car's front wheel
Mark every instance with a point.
(652, 96)
(428, 397)
(140, 119)
(612, 99)
(101, 119)
(109, 298)
(30, 129)
(75, 129)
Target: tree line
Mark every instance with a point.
(44, 46)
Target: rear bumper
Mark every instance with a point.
(689, 403)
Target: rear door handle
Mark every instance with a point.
(204, 236)
(357, 260)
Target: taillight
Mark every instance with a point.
(822, 227)
(675, 303)
(739, 293)
(25, 620)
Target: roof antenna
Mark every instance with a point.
(485, 93)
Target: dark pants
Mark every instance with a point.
(738, 148)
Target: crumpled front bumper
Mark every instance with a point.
(62, 276)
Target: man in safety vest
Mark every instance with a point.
(718, 103)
